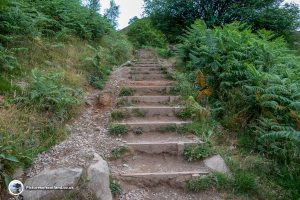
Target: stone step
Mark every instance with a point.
(145, 73)
(150, 83)
(150, 111)
(146, 69)
(174, 147)
(149, 100)
(140, 127)
(153, 169)
(146, 65)
(157, 137)
(150, 90)
(147, 77)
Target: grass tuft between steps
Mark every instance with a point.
(117, 129)
(126, 92)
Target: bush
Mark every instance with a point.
(126, 92)
(119, 151)
(48, 95)
(253, 78)
(117, 129)
(244, 182)
(120, 49)
(141, 33)
(193, 153)
(215, 180)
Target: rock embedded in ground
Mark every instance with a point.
(105, 99)
(217, 164)
(98, 178)
(54, 179)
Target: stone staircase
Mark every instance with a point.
(155, 146)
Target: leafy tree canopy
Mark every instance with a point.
(171, 16)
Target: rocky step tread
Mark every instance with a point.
(153, 126)
(151, 100)
(174, 147)
(150, 90)
(146, 69)
(149, 169)
(150, 111)
(150, 83)
(147, 77)
(158, 137)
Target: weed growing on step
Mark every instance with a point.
(139, 131)
(115, 187)
(123, 102)
(138, 113)
(117, 115)
(215, 180)
(117, 129)
(119, 151)
(199, 152)
(126, 92)
(168, 128)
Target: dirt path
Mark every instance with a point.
(155, 169)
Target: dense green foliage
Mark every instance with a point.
(47, 94)
(142, 33)
(170, 16)
(49, 52)
(252, 83)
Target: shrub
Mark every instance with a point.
(244, 182)
(120, 49)
(126, 92)
(141, 33)
(215, 180)
(115, 187)
(48, 94)
(117, 115)
(119, 151)
(192, 153)
(253, 77)
(193, 110)
(7, 158)
(182, 85)
(117, 129)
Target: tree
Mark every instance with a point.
(94, 5)
(112, 13)
(132, 20)
(171, 16)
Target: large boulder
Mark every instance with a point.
(51, 184)
(216, 164)
(98, 178)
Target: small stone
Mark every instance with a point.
(217, 164)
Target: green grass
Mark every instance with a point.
(126, 92)
(168, 128)
(117, 129)
(138, 113)
(115, 187)
(215, 180)
(199, 152)
(119, 152)
(117, 115)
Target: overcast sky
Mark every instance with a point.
(131, 8)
